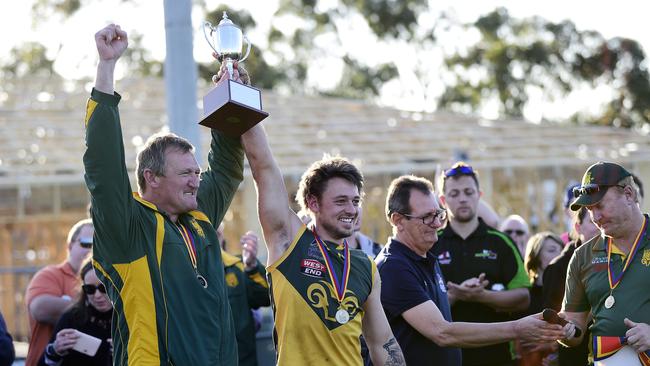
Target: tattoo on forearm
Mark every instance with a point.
(395, 356)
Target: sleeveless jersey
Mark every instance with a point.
(305, 303)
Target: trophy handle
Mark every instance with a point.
(248, 49)
(207, 24)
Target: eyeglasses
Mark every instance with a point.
(518, 232)
(430, 218)
(86, 242)
(589, 189)
(459, 169)
(90, 289)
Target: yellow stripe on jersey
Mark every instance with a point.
(90, 108)
(139, 312)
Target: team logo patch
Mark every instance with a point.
(645, 260)
(444, 258)
(441, 283)
(486, 254)
(312, 268)
(313, 251)
(198, 228)
(231, 280)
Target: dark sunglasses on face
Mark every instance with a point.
(589, 189)
(90, 289)
(518, 232)
(459, 170)
(429, 219)
(86, 242)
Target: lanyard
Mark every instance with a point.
(615, 280)
(188, 239)
(339, 286)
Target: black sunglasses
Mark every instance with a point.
(90, 289)
(428, 219)
(518, 232)
(459, 170)
(86, 242)
(589, 189)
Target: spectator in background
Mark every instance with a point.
(487, 214)
(555, 278)
(7, 352)
(52, 289)
(468, 248)
(517, 229)
(568, 214)
(247, 290)
(541, 249)
(362, 242)
(413, 292)
(91, 314)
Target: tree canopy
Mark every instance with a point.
(510, 62)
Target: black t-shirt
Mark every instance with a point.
(488, 251)
(98, 325)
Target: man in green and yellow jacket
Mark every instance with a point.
(157, 250)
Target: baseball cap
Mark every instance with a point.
(597, 179)
(568, 196)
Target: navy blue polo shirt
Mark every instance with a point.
(408, 280)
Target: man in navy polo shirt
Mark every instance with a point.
(413, 291)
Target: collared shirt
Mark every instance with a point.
(488, 251)
(588, 286)
(409, 280)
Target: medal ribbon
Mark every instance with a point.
(605, 346)
(188, 239)
(615, 280)
(339, 287)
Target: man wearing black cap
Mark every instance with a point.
(609, 275)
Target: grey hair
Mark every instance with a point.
(152, 156)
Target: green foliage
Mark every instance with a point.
(386, 19)
(139, 59)
(28, 59)
(515, 54)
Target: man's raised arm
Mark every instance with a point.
(279, 222)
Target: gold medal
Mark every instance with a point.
(342, 316)
(609, 301)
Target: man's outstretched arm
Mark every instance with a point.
(279, 223)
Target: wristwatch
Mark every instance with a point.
(51, 353)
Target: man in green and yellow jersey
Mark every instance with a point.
(609, 275)
(157, 250)
(324, 294)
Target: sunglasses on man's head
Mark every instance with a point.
(518, 232)
(589, 189)
(459, 170)
(90, 289)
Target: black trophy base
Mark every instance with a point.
(232, 108)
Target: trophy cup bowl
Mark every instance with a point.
(230, 107)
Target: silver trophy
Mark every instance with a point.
(230, 107)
